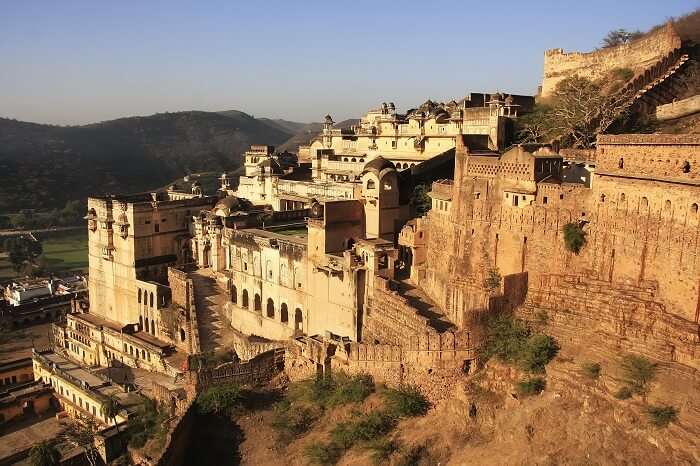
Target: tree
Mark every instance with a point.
(22, 251)
(420, 200)
(44, 454)
(110, 408)
(81, 434)
(619, 37)
(574, 237)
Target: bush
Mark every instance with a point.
(406, 401)
(323, 453)
(591, 370)
(532, 386)
(511, 341)
(367, 427)
(220, 399)
(639, 373)
(661, 416)
(332, 391)
(149, 422)
(624, 393)
(574, 237)
(381, 450)
(291, 420)
(537, 352)
(493, 280)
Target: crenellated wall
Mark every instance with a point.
(637, 56)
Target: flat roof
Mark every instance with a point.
(273, 235)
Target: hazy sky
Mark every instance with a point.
(71, 62)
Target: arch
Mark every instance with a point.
(622, 197)
(139, 295)
(283, 274)
(146, 327)
(182, 334)
(270, 308)
(667, 205)
(298, 319)
(693, 208)
(602, 198)
(645, 201)
(244, 299)
(257, 302)
(686, 167)
(370, 184)
(151, 299)
(141, 321)
(353, 159)
(621, 163)
(362, 160)
(234, 294)
(153, 327)
(284, 314)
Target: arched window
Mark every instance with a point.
(270, 308)
(602, 198)
(645, 202)
(182, 334)
(284, 313)
(298, 319)
(622, 197)
(621, 163)
(139, 295)
(244, 299)
(353, 159)
(153, 327)
(283, 274)
(146, 328)
(234, 294)
(370, 184)
(151, 298)
(141, 321)
(667, 205)
(258, 302)
(693, 208)
(268, 268)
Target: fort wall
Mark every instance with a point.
(637, 56)
(678, 109)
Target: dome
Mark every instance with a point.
(328, 119)
(378, 164)
(316, 209)
(226, 206)
(275, 167)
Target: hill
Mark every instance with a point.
(43, 166)
(305, 133)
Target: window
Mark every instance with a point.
(370, 184)
(284, 313)
(561, 196)
(544, 200)
(270, 308)
(139, 295)
(244, 299)
(393, 144)
(157, 228)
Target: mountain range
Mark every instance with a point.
(43, 166)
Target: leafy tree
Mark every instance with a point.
(531, 386)
(220, 399)
(639, 373)
(44, 454)
(493, 279)
(110, 408)
(537, 352)
(574, 237)
(420, 200)
(619, 37)
(22, 251)
(591, 370)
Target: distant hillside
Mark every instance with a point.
(44, 166)
(307, 132)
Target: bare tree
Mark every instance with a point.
(81, 434)
(620, 36)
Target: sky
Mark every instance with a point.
(75, 62)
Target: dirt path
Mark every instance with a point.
(215, 330)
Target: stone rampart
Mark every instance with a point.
(678, 109)
(260, 369)
(636, 56)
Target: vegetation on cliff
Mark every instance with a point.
(574, 237)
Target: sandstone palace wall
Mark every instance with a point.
(638, 276)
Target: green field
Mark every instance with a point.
(66, 252)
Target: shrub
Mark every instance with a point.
(381, 450)
(661, 416)
(291, 420)
(511, 341)
(537, 352)
(574, 237)
(623, 393)
(532, 386)
(147, 423)
(367, 427)
(639, 373)
(591, 370)
(323, 453)
(332, 391)
(220, 399)
(406, 401)
(493, 280)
